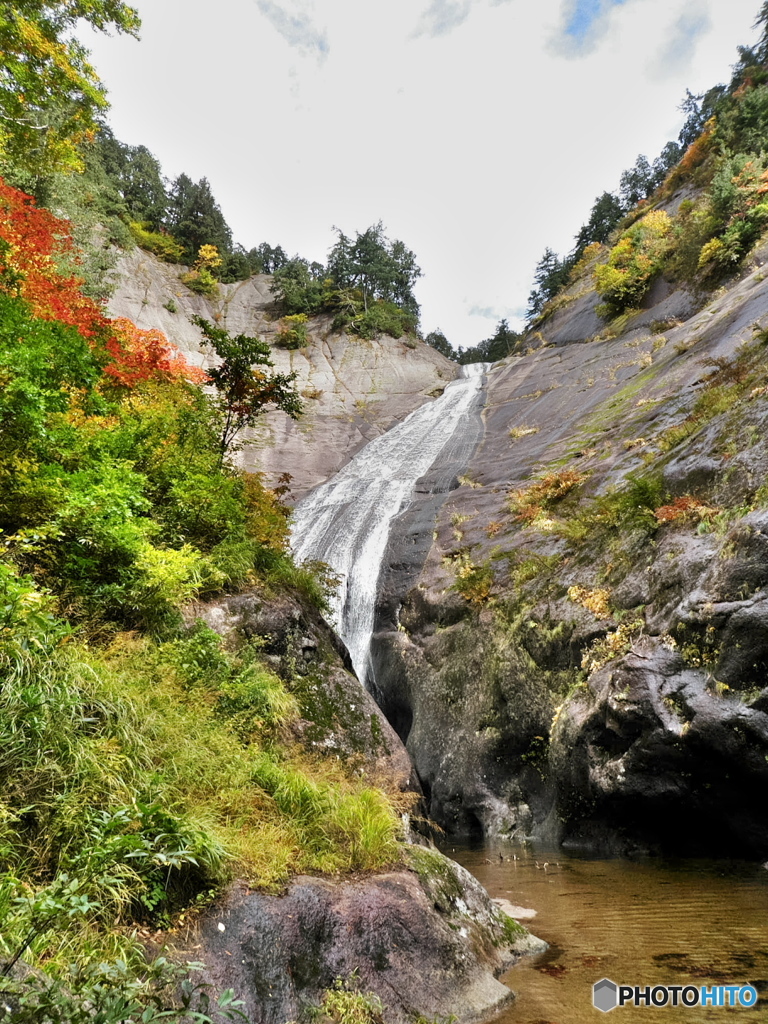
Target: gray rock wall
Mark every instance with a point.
(352, 389)
(612, 686)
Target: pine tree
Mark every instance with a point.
(195, 218)
(604, 216)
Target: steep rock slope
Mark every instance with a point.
(353, 389)
(584, 653)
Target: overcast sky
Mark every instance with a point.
(478, 131)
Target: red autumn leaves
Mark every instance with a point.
(35, 246)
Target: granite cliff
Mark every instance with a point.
(577, 647)
(353, 389)
(571, 637)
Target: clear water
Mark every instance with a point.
(650, 921)
(346, 521)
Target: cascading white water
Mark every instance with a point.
(345, 522)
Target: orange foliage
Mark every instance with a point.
(696, 153)
(684, 507)
(137, 355)
(32, 242)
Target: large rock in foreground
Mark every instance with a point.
(428, 942)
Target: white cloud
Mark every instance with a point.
(679, 47)
(583, 25)
(296, 26)
(442, 16)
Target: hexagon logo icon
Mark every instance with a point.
(605, 995)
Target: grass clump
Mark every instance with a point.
(473, 582)
(522, 431)
(137, 778)
(529, 503)
(626, 508)
(344, 1003)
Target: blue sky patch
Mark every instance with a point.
(583, 15)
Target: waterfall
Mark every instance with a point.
(346, 521)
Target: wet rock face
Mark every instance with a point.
(651, 753)
(668, 744)
(612, 687)
(427, 943)
(472, 714)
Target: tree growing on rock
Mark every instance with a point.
(244, 388)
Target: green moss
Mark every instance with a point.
(512, 929)
(437, 877)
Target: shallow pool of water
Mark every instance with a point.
(638, 922)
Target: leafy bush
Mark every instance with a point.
(118, 993)
(632, 264)
(343, 1003)
(381, 317)
(201, 281)
(161, 244)
(293, 332)
(743, 122)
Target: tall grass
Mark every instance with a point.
(137, 778)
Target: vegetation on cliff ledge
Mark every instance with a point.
(692, 216)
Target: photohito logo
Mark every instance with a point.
(607, 995)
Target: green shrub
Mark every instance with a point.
(162, 245)
(632, 264)
(381, 317)
(201, 281)
(122, 991)
(293, 332)
(693, 228)
(343, 1003)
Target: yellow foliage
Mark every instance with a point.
(610, 646)
(595, 601)
(529, 502)
(208, 257)
(634, 260)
